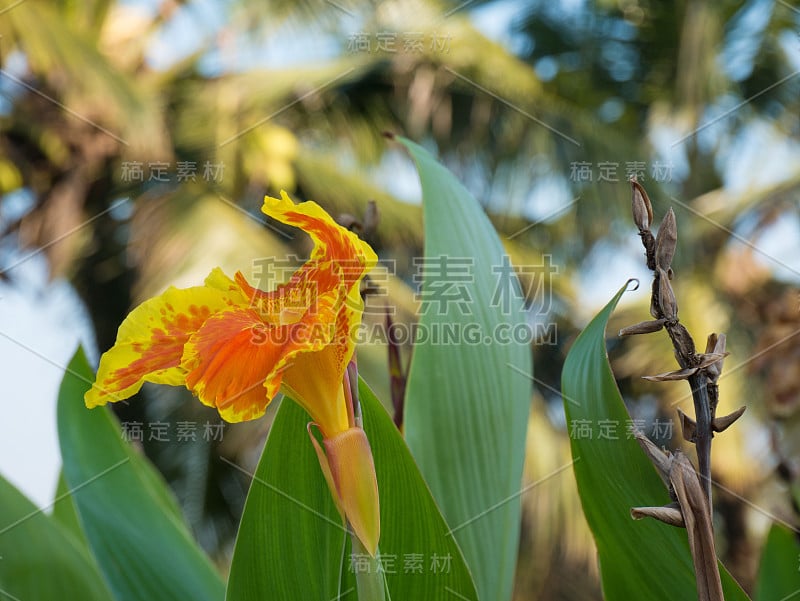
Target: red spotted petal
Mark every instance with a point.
(236, 360)
(323, 388)
(150, 341)
(332, 242)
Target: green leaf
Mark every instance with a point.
(39, 559)
(639, 559)
(291, 543)
(467, 402)
(134, 531)
(779, 571)
(65, 514)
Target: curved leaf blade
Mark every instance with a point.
(291, 542)
(411, 523)
(779, 572)
(467, 405)
(65, 514)
(642, 559)
(41, 560)
(139, 541)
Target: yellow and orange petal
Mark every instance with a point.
(332, 242)
(290, 301)
(236, 360)
(218, 280)
(207, 337)
(226, 366)
(328, 365)
(150, 342)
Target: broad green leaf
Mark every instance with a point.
(291, 543)
(65, 514)
(779, 570)
(139, 541)
(467, 401)
(39, 559)
(639, 559)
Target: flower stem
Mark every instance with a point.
(370, 582)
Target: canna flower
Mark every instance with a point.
(235, 347)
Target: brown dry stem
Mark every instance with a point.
(690, 490)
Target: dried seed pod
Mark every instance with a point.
(681, 374)
(666, 241)
(660, 459)
(683, 343)
(711, 342)
(688, 427)
(669, 514)
(666, 297)
(654, 300)
(644, 327)
(716, 346)
(719, 424)
(708, 360)
(719, 346)
(641, 207)
(649, 243)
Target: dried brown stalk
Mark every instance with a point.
(690, 490)
(689, 510)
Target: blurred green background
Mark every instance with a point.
(137, 140)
